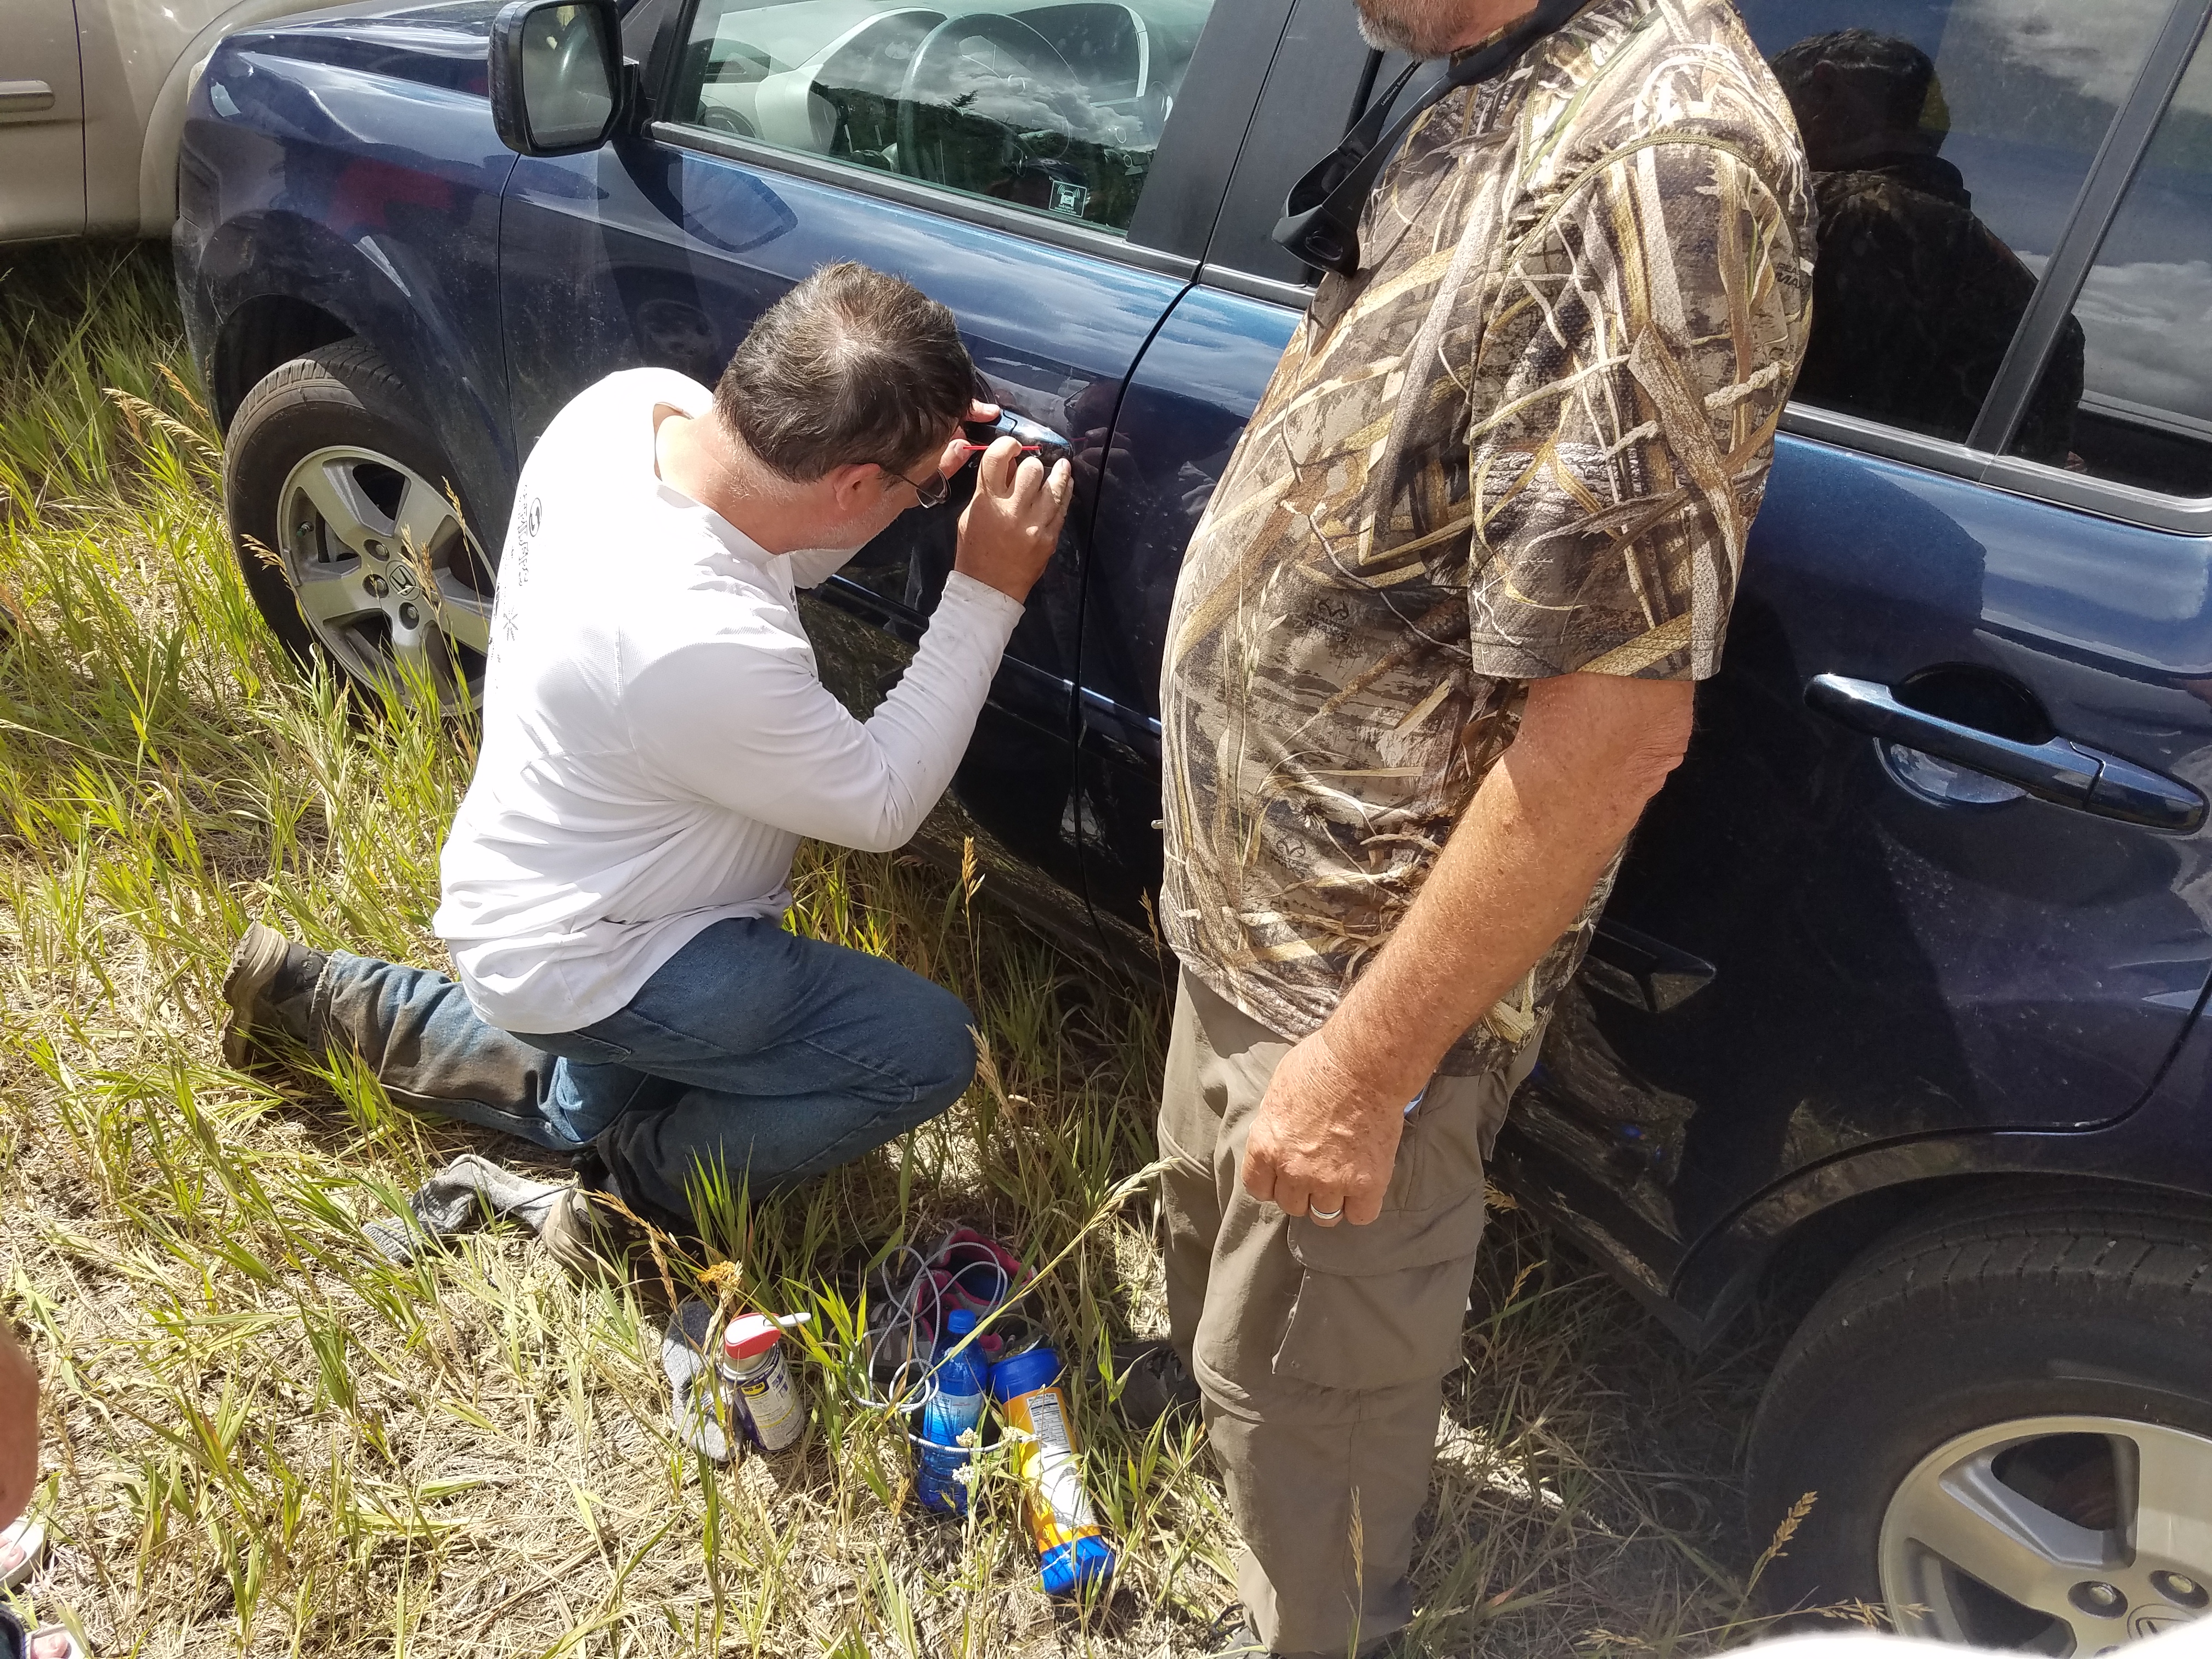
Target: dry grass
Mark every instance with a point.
(261, 1439)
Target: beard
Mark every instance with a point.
(1419, 28)
(1433, 28)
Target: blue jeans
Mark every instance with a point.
(761, 1056)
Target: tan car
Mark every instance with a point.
(92, 102)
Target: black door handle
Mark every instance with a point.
(2068, 773)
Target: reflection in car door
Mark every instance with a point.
(781, 156)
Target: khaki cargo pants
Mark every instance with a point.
(1320, 1351)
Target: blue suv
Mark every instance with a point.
(1893, 1021)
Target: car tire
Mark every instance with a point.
(344, 515)
(2003, 1412)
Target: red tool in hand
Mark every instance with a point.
(1034, 437)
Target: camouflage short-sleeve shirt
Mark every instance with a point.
(1528, 439)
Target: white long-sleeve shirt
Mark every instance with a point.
(656, 737)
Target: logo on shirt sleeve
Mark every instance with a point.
(515, 569)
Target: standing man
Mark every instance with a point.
(657, 740)
(1432, 649)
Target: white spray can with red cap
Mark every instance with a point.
(757, 1380)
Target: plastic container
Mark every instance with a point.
(955, 1405)
(756, 1383)
(1071, 1554)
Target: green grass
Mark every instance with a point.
(261, 1439)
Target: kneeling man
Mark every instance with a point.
(657, 740)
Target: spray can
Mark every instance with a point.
(756, 1382)
(1071, 1554)
(954, 1406)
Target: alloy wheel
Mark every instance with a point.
(2062, 1535)
(385, 574)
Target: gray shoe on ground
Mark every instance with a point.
(687, 1355)
(1232, 1637)
(586, 1237)
(266, 968)
(1242, 1641)
(1155, 1384)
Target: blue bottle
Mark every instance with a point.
(954, 1406)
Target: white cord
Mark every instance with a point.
(922, 1294)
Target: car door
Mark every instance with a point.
(1197, 384)
(41, 122)
(1047, 171)
(1831, 931)
(1862, 911)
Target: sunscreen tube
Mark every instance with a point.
(1071, 1555)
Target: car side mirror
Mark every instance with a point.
(557, 77)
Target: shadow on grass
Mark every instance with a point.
(264, 1440)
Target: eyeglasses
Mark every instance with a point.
(934, 492)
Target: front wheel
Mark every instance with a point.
(2004, 1417)
(347, 528)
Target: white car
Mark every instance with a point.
(92, 102)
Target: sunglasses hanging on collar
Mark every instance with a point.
(1321, 217)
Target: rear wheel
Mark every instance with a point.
(348, 529)
(2005, 1416)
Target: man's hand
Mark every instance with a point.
(955, 448)
(1011, 527)
(1323, 1140)
(1520, 865)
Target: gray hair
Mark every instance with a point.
(851, 365)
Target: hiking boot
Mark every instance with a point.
(268, 987)
(1243, 1642)
(1155, 1384)
(591, 1240)
(1232, 1637)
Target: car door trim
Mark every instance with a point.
(2146, 509)
(2129, 505)
(1890, 443)
(910, 192)
(1291, 296)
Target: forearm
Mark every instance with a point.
(922, 728)
(1515, 873)
(786, 751)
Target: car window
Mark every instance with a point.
(1057, 108)
(2139, 386)
(1947, 140)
